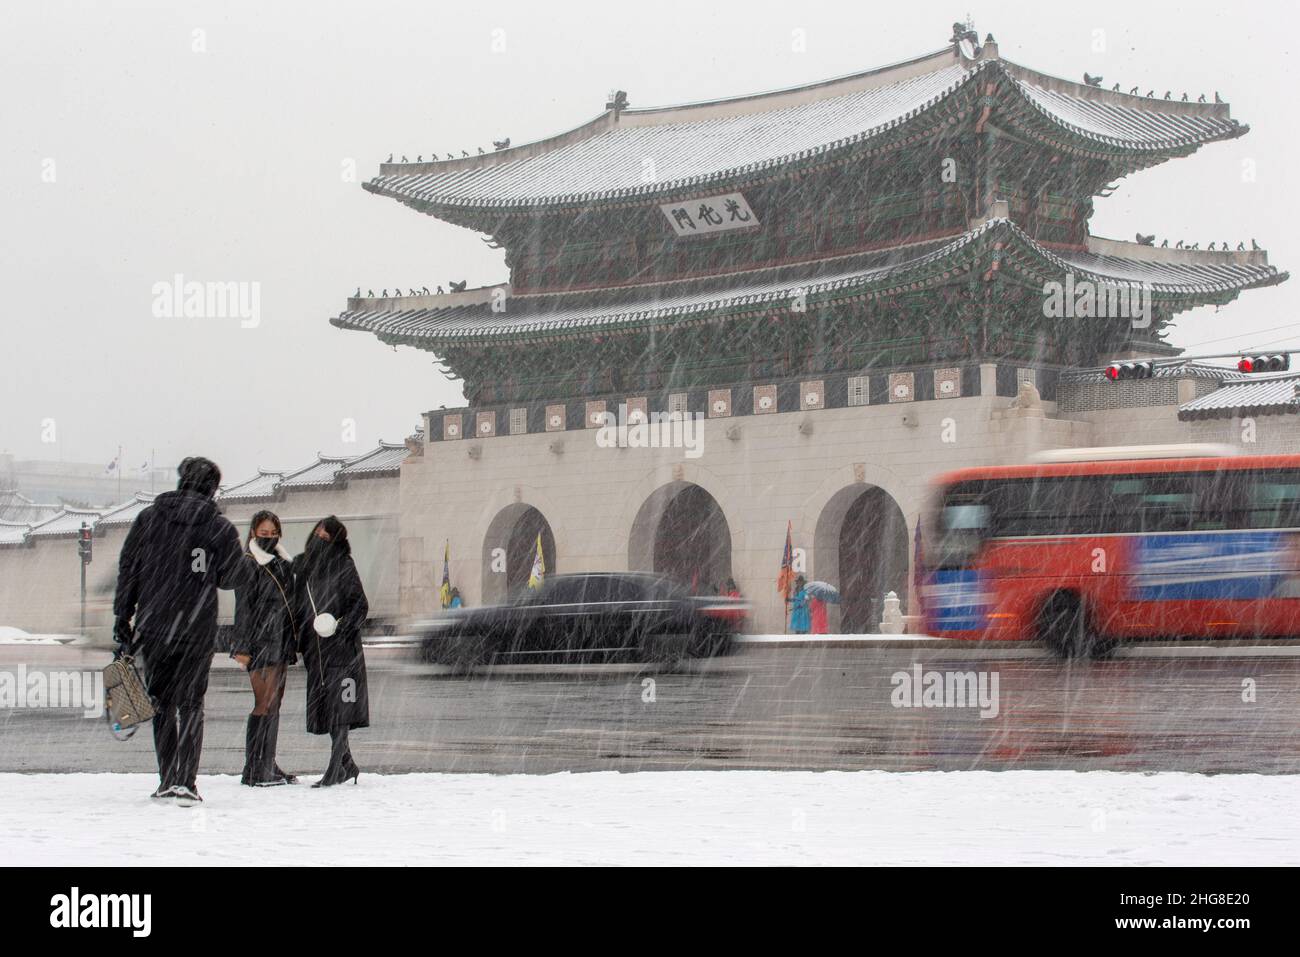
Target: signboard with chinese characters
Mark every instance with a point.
(709, 214)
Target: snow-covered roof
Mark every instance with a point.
(1274, 395)
(717, 141)
(385, 460)
(126, 513)
(67, 522)
(13, 533)
(1172, 274)
(325, 471)
(17, 507)
(261, 485)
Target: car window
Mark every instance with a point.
(565, 591)
(630, 589)
(600, 589)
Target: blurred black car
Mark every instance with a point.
(593, 617)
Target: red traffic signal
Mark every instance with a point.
(1117, 371)
(1273, 363)
(85, 541)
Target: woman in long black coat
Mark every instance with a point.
(327, 585)
(265, 643)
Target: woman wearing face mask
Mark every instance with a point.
(331, 609)
(265, 644)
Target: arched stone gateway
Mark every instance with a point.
(509, 548)
(680, 531)
(862, 548)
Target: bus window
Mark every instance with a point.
(1176, 502)
(962, 527)
(1049, 506)
(1272, 499)
(1152, 503)
(1217, 505)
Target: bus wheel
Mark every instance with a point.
(1063, 627)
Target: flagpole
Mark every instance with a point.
(119, 474)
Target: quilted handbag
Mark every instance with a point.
(126, 702)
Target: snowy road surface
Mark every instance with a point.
(670, 817)
(815, 708)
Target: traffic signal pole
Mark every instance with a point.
(85, 544)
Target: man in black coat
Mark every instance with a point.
(179, 551)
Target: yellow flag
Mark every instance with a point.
(444, 593)
(538, 574)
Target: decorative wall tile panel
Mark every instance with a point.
(902, 387)
(555, 419)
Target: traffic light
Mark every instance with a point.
(1117, 371)
(1273, 363)
(85, 543)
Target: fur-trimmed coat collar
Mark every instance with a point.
(262, 556)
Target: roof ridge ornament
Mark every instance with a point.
(965, 31)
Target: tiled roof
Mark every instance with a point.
(1120, 120)
(1188, 275)
(262, 485)
(385, 460)
(1175, 277)
(611, 163)
(17, 507)
(1255, 396)
(324, 471)
(67, 522)
(126, 513)
(13, 533)
(709, 143)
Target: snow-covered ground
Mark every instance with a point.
(670, 817)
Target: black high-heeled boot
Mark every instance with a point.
(350, 769)
(272, 742)
(341, 766)
(258, 771)
(252, 747)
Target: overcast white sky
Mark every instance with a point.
(228, 165)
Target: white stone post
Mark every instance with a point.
(891, 622)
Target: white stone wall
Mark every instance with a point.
(1256, 435)
(772, 473)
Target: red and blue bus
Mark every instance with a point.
(1088, 547)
